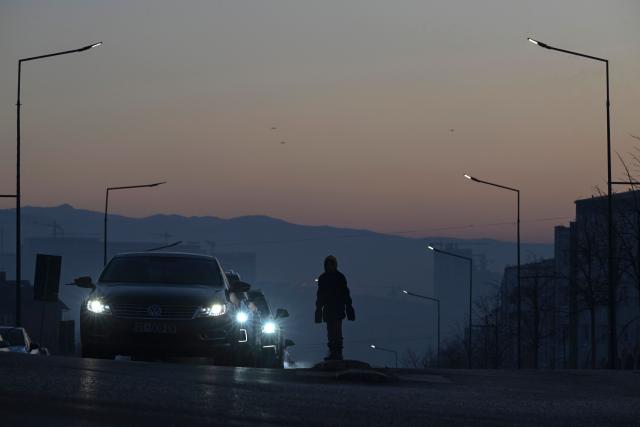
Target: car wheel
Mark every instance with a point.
(224, 359)
(244, 357)
(89, 351)
(270, 359)
(142, 358)
(279, 361)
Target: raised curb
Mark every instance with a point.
(340, 365)
(348, 370)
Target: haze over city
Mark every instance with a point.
(360, 114)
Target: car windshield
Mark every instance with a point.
(12, 335)
(167, 270)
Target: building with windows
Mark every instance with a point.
(574, 316)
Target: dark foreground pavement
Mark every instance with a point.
(69, 392)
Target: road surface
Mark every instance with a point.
(58, 391)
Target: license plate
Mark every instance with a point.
(154, 328)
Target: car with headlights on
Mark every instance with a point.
(161, 304)
(272, 344)
(248, 351)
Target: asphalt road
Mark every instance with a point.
(50, 391)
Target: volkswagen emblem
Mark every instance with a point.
(154, 310)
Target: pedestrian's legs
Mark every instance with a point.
(330, 339)
(334, 335)
(338, 339)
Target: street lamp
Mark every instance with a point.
(613, 346)
(518, 290)
(106, 209)
(18, 194)
(437, 301)
(375, 347)
(470, 260)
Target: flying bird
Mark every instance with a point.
(273, 128)
(283, 142)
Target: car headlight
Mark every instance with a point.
(213, 310)
(269, 328)
(242, 317)
(98, 307)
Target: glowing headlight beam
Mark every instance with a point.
(98, 307)
(242, 317)
(269, 328)
(214, 310)
(217, 309)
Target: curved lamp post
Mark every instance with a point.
(437, 301)
(18, 194)
(613, 346)
(518, 290)
(375, 347)
(106, 209)
(470, 261)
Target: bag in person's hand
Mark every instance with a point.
(351, 313)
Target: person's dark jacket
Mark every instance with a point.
(333, 299)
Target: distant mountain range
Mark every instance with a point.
(289, 257)
(285, 251)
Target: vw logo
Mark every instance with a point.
(154, 310)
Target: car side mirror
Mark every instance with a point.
(239, 286)
(4, 344)
(289, 343)
(281, 313)
(34, 346)
(84, 282)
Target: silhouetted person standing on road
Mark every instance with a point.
(333, 304)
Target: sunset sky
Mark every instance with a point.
(383, 105)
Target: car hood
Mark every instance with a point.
(152, 293)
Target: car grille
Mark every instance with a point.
(150, 311)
